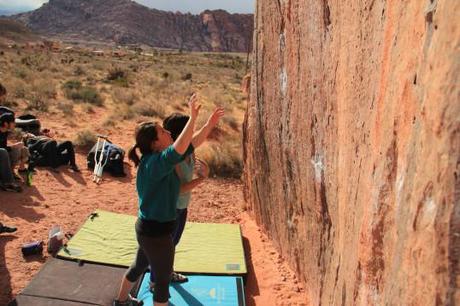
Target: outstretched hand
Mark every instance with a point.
(194, 107)
(215, 117)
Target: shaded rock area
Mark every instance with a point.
(127, 22)
(352, 147)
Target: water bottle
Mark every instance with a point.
(30, 173)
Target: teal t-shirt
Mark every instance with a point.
(186, 175)
(158, 185)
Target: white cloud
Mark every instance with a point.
(197, 6)
(22, 4)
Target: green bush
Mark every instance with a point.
(75, 91)
(91, 96)
(72, 84)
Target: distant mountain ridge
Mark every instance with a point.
(127, 22)
(12, 31)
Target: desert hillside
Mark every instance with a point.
(125, 22)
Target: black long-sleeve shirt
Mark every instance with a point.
(4, 140)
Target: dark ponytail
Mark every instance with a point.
(146, 134)
(132, 155)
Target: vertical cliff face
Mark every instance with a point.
(352, 146)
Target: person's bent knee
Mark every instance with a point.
(133, 274)
(4, 153)
(51, 143)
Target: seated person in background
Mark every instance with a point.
(47, 152)
(17, 152)
(6, 229)
(2, 93)
(7, 182)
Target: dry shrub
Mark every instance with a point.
(37, 62)
(118, 77)
(123, 112)
(45, 88)
(88, 108)
(66, 108)
(9, 103)
(224, 160)
(85, 139)
(79, 71)
(21, 73)
(151, 109)
(124, 96)
(37, 103)
(18, 89)
(99, 66)
(110, 121)
(187, 76)
(231, 122)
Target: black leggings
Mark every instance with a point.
(158, 252)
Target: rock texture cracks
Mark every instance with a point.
(352, 146)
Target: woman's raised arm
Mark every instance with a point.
(185, 138)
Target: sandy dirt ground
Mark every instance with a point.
(67, 198)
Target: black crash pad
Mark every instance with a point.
(63, 280)
(24, 300)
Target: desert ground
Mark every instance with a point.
(78, 94)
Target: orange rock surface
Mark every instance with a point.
(352, 147)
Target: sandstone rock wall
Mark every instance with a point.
(352, 146)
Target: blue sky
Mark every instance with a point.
(193, 6)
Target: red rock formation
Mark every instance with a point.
(352, 146)
(127, 22)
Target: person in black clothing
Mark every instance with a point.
(47, 152)
(18, 154)
(2, 93)
(7, 182)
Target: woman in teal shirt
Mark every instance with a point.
(175, 124)
(158, 189)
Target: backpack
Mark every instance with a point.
(4, 110)
(112, 154)
(29, 124)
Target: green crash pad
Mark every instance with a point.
(109, 238)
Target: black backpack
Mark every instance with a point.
(28, 123)
(4, 110)
(112, 154)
